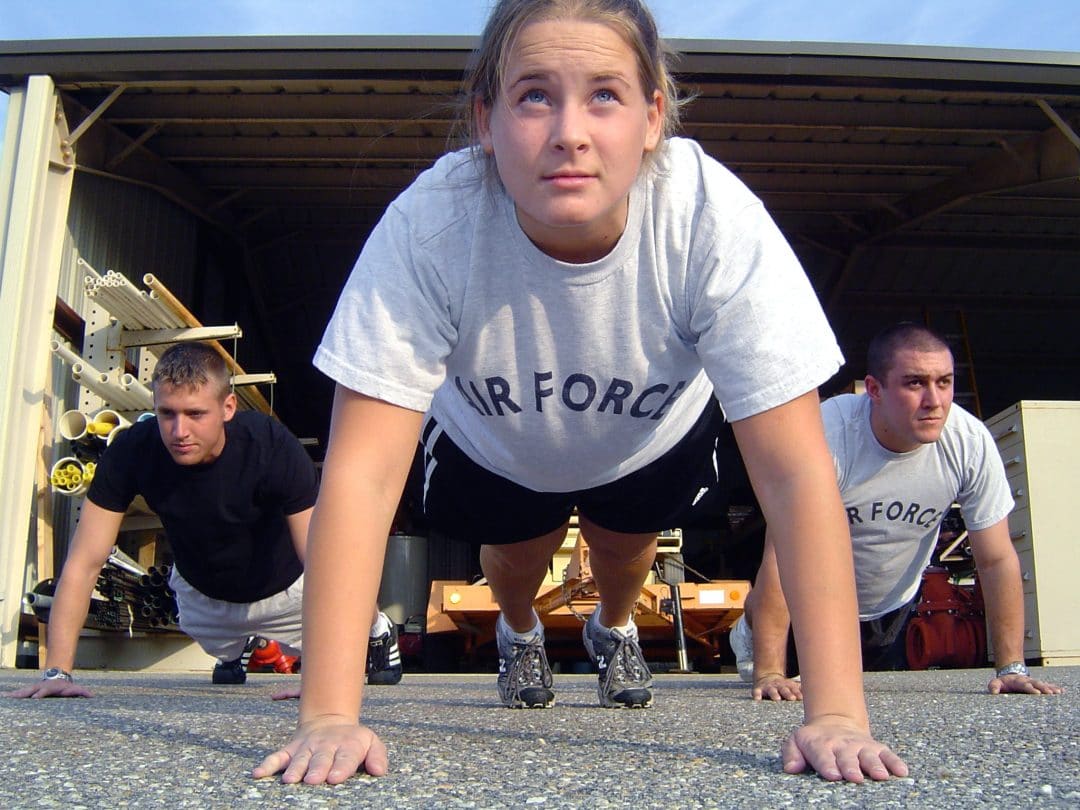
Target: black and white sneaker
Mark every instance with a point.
(524, 675)
(229, 672)
(623, 676)
(384, 658)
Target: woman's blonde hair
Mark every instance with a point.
(631, 19)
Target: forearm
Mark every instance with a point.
(767, 613)
(1004, 599)
(795, 482)
(371, 447)
(819, 584)
(67, 615)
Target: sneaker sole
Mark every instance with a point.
(384, 678)
(528, 701)
(636, 700)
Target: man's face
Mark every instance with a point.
(192, 421)
(909, 407)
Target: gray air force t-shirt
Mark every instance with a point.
(895, 501)
(563, 376)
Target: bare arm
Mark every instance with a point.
(768, 614)
(370, 450)
(1003, 594)
(90, 547)
(298, 530)
(794, 480)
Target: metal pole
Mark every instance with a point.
(680, 635)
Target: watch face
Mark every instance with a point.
(56, 674)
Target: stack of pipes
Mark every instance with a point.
(132, 307)
(249, 396)
(122, 391)
(127, 597)
(135, 309)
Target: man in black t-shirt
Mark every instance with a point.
(234, 491)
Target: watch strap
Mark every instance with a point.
(1015, 668)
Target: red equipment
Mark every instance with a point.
(948, 628)
(268, 657)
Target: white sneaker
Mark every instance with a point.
(742, 644)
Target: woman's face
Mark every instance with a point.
(569, 131)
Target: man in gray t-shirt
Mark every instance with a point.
(903, 454)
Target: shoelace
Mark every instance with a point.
(527, 668)
(627, 667)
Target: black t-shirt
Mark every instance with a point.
(225, 520)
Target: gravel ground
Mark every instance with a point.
(176, 741)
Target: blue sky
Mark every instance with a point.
(1045, 25)
(1031, 25)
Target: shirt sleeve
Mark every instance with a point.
(761, 333)
(985, 498)
(293, 482)
(114, 487)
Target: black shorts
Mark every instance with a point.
(467, 502)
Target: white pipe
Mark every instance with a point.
(139, 392)
(89, 377)
(107, 424)
(173, 319)
(91, 272)
(155, 316)
(123, 400)
(114, 302)
(120, 287)
(73, 425)
(65, 353)
(69, 477)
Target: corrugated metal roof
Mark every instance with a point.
(913, 182)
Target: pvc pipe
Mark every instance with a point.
(69, 477)
(73, 425)
(109, 424)
(117, 395)
(106, 422)
(170, 317)
(110, 299)
(65, 353)
(89, 381)
(91, 273)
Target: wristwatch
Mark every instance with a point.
(56, 674)
(1015, 668)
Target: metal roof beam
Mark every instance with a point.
(969, 301)
(780, 154)
(1046, 158)
(267, 108)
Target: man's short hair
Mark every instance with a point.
(905, 335)
(192, 365)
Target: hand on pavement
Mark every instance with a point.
(776, 687)
(286, 693)
(54, 688)
(1023, 684)
(330, 750)
(837, 748)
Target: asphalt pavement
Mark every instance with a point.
(173, 740)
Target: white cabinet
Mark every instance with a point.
(1039, 442)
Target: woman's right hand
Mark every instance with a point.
(327, 749)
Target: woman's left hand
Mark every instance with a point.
(836, 748)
